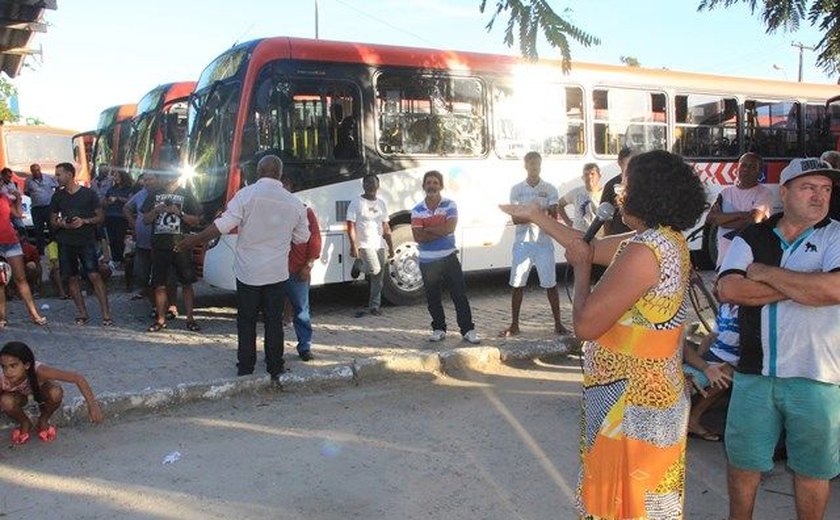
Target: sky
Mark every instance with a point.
(99, 53)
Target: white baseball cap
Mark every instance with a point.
(808, 166)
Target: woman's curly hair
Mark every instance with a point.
(662, 190)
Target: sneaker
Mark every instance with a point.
(306, 356)
(437, 335)
(375, 312)
(472, 337)
(356, 270)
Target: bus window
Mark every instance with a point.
(706, 126)
(633, 118)
(303, 120)
(818, 138)
(772, 128)
(543, 117)
(430, 115)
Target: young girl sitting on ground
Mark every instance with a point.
(22, 377)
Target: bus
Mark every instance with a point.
(23, 145)
(334, 112)
(159, 128)
(111, 142)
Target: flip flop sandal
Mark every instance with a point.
(19, 438)
(41, 322)
(705, 436)
(193, 326)
(107, 322)
(81, 320)
(3, 324)
(156, 327)
(171, 315)
(47, 435)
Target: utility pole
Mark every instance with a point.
(801, 48)
(316, 20)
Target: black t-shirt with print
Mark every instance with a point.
(168, 228)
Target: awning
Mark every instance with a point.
(19, 19)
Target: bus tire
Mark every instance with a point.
(403, 282)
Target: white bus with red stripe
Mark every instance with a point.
(337, 111)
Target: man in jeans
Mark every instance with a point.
(301, 259)
(433, 223)
(40, 189)
(369, 231)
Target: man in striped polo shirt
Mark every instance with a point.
(433, 223)
(785, 275)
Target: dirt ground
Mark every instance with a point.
(500, 445)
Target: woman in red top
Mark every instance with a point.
(10, 249)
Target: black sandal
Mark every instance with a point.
(193, 326)
(156, 327)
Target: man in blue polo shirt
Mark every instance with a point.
(785, 275)
(433, 223)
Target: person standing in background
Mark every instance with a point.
(40, 188)
(433, 222)
(584, 199)
(369, 232)
(738, 206)
(301, 259)
(532, 248)
(616, 225)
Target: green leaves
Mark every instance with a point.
(529, 19)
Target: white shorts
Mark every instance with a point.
(532, 254)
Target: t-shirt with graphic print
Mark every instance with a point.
(168, 228)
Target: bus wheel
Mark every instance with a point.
(403, 283)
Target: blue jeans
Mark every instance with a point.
(434, 274)
(250, 299)
(297, 291)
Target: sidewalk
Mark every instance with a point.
(132, 370)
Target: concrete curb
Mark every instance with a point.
(360, 370)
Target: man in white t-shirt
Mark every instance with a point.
(584, 199)
(369, 231)
(745, 203)
(532, 247)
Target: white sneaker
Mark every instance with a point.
(472, 337)
(437, 335)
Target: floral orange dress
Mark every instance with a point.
(635, 405)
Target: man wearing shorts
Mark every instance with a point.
(784, 273)
(532, 247)
(74, 214)
(171, 210)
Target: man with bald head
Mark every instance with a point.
(269, 219)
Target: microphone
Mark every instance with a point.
(604, 213)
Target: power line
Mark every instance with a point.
(384, 22)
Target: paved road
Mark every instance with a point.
(500, 444)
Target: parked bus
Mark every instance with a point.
(337, 111)
(111, 143)
(159, 128)
(23, 145)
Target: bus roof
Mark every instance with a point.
(269, 49)
(112, 115)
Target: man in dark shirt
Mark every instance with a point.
(171, 211)
(74, 214)
(616, 226)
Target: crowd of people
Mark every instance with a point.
(774, 347)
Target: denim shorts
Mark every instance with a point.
(70, 256)
(10, 250)
(533, 254)
(809, 412)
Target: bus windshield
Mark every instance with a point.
(25, 148)
(210, 125)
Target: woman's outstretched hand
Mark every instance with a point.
(526, 212)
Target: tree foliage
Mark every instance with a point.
(630, 61)
(788, 14)
(530, 18)
(7, 90)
